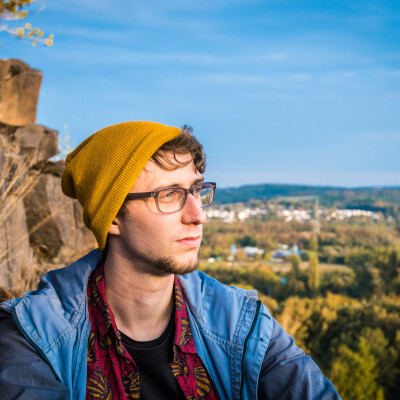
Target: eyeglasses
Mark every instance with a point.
(173, 199)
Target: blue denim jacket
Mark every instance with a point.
(243, 348)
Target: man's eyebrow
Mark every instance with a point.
(196, 181)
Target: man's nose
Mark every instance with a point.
(192, 213)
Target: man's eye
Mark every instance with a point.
(197, 190)
(168, 195)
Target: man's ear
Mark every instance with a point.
(114, 227)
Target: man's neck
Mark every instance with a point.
(142, 303)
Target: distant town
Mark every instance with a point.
(270, 210)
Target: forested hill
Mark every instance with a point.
(365, 197)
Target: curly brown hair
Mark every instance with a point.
(184, 143)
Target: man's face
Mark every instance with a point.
(163, 243)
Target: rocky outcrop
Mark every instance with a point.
(56, 228)
(33, 142)
(15, 250)
(40, 228)
(19, 92)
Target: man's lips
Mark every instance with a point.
(190, 240)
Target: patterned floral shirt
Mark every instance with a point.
(112, 373)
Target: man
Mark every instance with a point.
(134, 319)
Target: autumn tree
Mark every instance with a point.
(295, 260)
(363, 285)
(247, 240)
(355, 373)
(18, 10)
(313, 243)
(387, 260)
(313, 273)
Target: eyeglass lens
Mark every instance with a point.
(170, 200)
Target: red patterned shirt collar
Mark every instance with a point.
(183, 334)
(104, 320)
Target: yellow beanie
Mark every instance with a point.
(101, 171)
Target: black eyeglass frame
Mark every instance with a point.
(146, 195)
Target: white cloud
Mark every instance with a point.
(109, 53)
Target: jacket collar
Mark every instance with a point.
(62, 294)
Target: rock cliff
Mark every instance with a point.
(40, 228)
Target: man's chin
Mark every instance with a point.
(170, 265)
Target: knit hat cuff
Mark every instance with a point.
(123, 183)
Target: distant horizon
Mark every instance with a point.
(311, 185)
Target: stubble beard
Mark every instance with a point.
(169, 265)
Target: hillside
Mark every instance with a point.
(371, 198)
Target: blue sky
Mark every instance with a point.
(289, 91)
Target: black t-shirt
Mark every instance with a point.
(152, 358)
